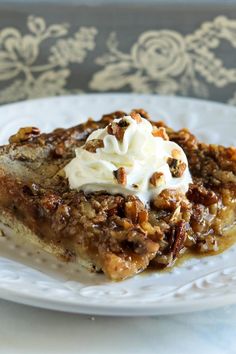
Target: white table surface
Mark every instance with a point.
(27, 330)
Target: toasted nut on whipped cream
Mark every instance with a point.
(157, 179)
(117, 128)
(128, 147)
(136, 116)
(120, 175)
(142, 113)
(177, 167)
(160, 132)
(93, 145)
(175, 154)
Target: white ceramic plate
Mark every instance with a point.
(31, 277)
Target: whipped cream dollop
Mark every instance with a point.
(129, 156)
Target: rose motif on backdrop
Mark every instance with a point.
(166, 62)
(160, 54)
(16, 51)
(20, 58)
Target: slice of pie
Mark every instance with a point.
(115, 232)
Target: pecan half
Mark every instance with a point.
(120, 175)
(24, 134)
(156, 179)
(93, 145)
(177, 167)
(118, 129)
(160, 132)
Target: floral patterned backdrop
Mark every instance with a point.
(46, 58)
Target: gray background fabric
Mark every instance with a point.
(128, 22)
(125, 2)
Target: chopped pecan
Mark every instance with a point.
(93, 145)
(160, 132)
(162, 260)
(107, 118)
(197, 193)
(24, 134)
(170, 199)
(231, 153)
(142, 113)
(184, 138)
(142, 216)
(135, 210)
(122, 222)
(50, 202)
(131, 211)
(136, 116)
(113, 129)
(138, 243)
(118, 129)
(59, 150)
(177, 167)
(197, 221)
(176, 154)
(157, 179)
(176, 215)
(120, 175)
(31, 189)
(64, 211)
(179, 235)
(154, 232)
(61, 217)
(209, 244)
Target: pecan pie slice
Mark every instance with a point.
(116, 234)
